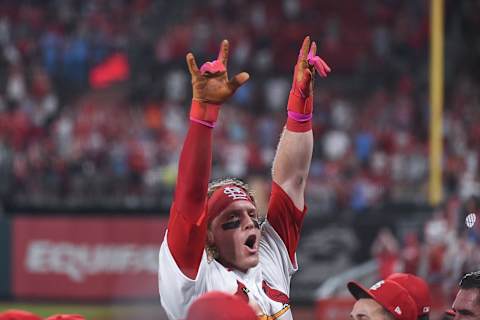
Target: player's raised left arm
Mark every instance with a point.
(294, 152)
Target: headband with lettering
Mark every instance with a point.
(223, 197)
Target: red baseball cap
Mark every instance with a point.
(66, 317)
(417, 288)
(390, 295)
(14, 314)
(217, 305)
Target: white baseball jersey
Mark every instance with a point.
(266, 287)
(177, 292)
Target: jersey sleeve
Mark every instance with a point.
(285, 219)
(177, 291)
(186, 241)
(187, 226)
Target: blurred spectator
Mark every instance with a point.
(410, 253)
(386, 251)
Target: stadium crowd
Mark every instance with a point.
(65, 141)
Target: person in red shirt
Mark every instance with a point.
(386, 252)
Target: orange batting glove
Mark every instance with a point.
(211, 86)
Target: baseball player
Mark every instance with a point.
(215, 240)
(385, 300)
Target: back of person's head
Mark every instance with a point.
(418, 290)
(471, 280)
(14, 314)
(217, 305)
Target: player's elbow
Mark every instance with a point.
(295, 177)
(299, 180)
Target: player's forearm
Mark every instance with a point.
(292, 163)
(194, 171)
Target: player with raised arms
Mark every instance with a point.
(215, 240)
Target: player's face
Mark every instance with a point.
(367, 309)
(236, 234)
(467, 304)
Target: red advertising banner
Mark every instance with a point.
(86, 257)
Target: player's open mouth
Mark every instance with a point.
(251, 242)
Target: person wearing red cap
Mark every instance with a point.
(216, 305)
(418, 290)
(15, 314)
(385, 300)
(215, 240)
(467, 302)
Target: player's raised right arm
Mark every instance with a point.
(187, 226)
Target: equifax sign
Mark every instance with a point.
(80, 261)
(90, 258)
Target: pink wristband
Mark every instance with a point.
(205, 123)
(300, 117)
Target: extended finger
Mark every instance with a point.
(302, 55)
(313, 50)
(238, 80)
(320, 65)
(223, 53)
(192, 65)
(320, 68)
(325, 65)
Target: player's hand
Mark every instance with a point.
(210, 83)
(307, 63)
(300, 100)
